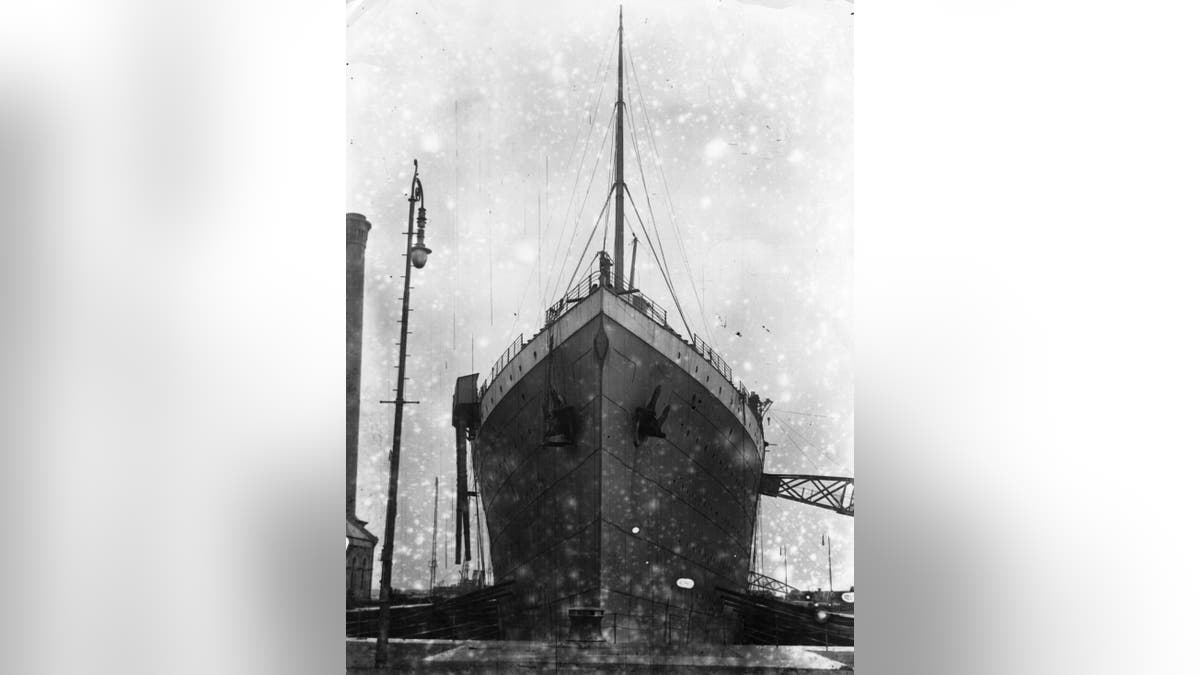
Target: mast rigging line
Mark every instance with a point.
(664, 269)
(671, 210)
(667, 272)
(521, 301)
(582, 205)
(800, 447)
(604, 237)
(811, 443)
(618, 242)
(661, 266)
(603, 211)
(794, 412)
(536, 270)
(605, 65)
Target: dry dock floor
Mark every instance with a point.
(487, 656)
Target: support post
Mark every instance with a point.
(389, 527)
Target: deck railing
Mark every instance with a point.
(506, 357)
(585, 288)
(579, 291)
(712, 357)
(590, 284)
(646, 306)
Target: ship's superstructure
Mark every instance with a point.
(618, 464)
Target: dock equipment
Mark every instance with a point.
(465, 418)
(835, 493)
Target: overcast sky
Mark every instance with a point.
(504, 104)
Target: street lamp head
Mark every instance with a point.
(420, 254)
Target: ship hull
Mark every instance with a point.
(610, 519)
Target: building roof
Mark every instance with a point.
(357, 534)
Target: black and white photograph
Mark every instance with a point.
(636, 295)
(599, 363)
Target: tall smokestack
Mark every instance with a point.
(357, 228)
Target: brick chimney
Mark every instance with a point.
(357, 228)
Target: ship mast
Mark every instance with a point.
(619, 160)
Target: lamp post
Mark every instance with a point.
(415, 256)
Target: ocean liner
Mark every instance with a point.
(617, 461)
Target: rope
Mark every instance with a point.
(603, 210)
(582, 205)
(687, 266)
(579, 170)
(650, 207)
(604, 238)
(532, 271)
(664, 268)
(811, 443)
(521, 302)
(597, 78)
(800, 447)
(661, 267)
(793, 412)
